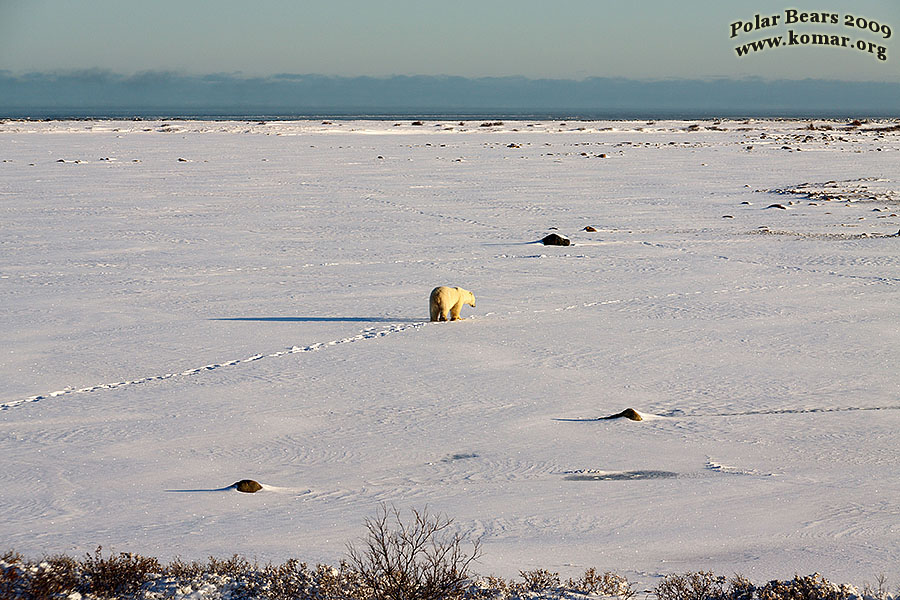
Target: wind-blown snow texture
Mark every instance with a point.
(187, 304)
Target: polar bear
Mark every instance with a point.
(450, 300)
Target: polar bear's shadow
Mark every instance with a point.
(324, 319)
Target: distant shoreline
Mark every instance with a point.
(562, 115)
(99, 94)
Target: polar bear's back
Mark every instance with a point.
(443, 292)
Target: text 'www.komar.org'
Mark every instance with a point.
(818, 39)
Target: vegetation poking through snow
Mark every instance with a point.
(126, 576)
(422, 558)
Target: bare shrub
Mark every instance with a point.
(338, 583)
(237, 566)
(540, 579)
(54, 577)
(702, 585)
(809, 587)
(417, 560)
(117, 574)
(11, 574)
(740, 588)
(180, 569)
(607, 584)
(880, 589)
(707, 586)
(287, 581)
(491, 587)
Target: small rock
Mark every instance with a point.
(781, 206)
(589, 228)
(554, 239)
(248, 486)
(727, 217)
(628, 413)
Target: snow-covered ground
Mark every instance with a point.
(187, 304)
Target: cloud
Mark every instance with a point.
(98, 92)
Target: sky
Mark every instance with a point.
(570, 39)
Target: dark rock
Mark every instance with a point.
(554, 239)
(619, 475)
(781, 206)
(248, 486)
(589, 228)
(628, 413)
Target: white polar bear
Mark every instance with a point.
(450, 300)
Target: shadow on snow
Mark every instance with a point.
(324, 319)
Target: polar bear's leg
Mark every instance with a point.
(454, 312)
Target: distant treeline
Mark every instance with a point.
(98, 93)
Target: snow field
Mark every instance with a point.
(259, 310)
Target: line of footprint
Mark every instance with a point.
(368, 333)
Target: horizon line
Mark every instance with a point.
(240, 75)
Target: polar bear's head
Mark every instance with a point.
(467, 297)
